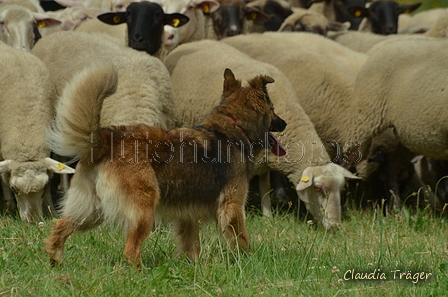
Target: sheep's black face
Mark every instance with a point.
(228, 20)
(145, 22)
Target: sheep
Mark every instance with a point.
(402, 85)
(231, 17)
(32, 5)
(364, 41)
(310, 21)
(105, 5)
(17, 25)
(196, 92)
(276, 10)
(381, 17)
(199, 27)
(145, 23)
(27, 109)
(70, 18)
(337, 10)
(144, 93)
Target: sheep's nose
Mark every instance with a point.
(233, 32)
(391, 30)
(137, 38)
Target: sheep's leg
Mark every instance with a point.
(231, 216)
(10, 203)
(189, 241)
(264, 186)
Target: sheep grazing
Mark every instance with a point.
(196, 93)
(199, 27)
(144, 93)
(231, 17)
(18, 25)
(381, 17)
(402, 85)
(27, 105)
(310, 21)
(145, 23)
(105, 5)
(337, 10)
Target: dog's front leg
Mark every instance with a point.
(231, 216)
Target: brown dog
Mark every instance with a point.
(126, 174)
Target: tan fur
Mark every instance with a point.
(128, 175)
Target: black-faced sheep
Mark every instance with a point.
(381, 17)
(145, 24)
(27, 109)
(193, 67)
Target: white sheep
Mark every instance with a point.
(195, 70)
(105, 5)
(199, 27)
(32, 5)
(27, 109)
(311, 21)
(403, 85)
(144, 93)
(17, 25)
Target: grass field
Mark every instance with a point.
(289, 258)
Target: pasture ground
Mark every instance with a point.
(289, 258)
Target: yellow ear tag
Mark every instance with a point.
(175, 22)
(41, 24)
(116, 19)
(305, 179)
(253, 15)
(206, 8)
(60, 166)
(358, 13)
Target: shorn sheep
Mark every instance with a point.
(195, 91)
(18, 25)
(27, 109)
(144, 93)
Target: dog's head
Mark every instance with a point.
(252, 108)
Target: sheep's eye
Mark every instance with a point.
(14, 190)
(2, 23)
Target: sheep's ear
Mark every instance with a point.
(359, 12)
(255, 14)
(4, 166)
(306, 180)
(175, 20)
(43, 20)
(230, 83)
(408, 8)
(207, 6)
(58, 167)
(113, 18)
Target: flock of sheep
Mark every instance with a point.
(360, 93)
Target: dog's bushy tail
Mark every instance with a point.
(77, 126)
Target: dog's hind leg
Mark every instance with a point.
(231, 215)
(189, 241)
(140, 222)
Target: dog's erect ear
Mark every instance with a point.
(230, 83)
(261, 81)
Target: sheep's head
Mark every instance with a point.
(145, 22)
(28, 181)
(320, 188)
(194, 10)
(18, 25)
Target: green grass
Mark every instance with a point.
(289, 258)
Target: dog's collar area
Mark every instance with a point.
(239, 127)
